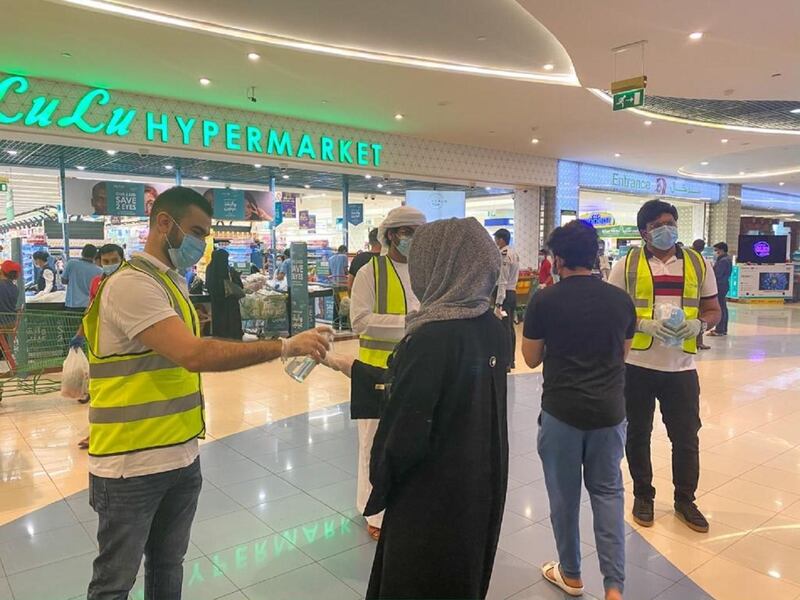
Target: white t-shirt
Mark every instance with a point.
(362, 303)
(131, 302)
(668, 278)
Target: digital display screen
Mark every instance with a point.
(762, 249)
(773, 282)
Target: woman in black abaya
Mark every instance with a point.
(226, 317)
(440, 457)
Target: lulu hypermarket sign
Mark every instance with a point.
(95, 113)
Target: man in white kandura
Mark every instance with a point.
(380, 300)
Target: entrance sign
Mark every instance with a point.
(95, 113)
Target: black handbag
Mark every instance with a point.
(232, 290)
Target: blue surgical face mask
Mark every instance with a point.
(664, 237)
(404, 245)
(188, 253)
(110, 269)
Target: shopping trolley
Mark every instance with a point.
(33, 343)
(341, 301)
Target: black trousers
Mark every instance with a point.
(722, 326)
(510, 306)
(679, 398)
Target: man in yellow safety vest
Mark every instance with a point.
(146, 412)
(661, 364)
(380, 299)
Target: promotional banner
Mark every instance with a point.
(278, 213)
(438, 205)
(289, 205)
(301, 317)
(312, 223)
(355, 214)
(303, 219)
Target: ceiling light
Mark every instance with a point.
(257, 166)
(111, 152)
(648, 123)
(741, 172)
(367, 176)
(308, 187)
(481, 38)
(285, 176)
(80, 168)
(205, 178)
(704, 163)
(549, 67)
(388, 192)
(66, 55)
(535, 141)
(380, 185)
(617, 154)
(724, 140)
(488, 189)
(12, 152)
(795, 111)
(168, 167)
(399, 117)
(773, 573)
(253, 56)
(696, 35)
(781, 183)
(205, 81)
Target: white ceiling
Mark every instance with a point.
(740, 50)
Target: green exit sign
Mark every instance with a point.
(3, 187)
(628, 99)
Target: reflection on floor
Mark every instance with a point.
(277, 517)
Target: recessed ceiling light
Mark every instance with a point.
(205, 178)
(795, 111)
(704, 163)
(399, 117)
(388, 192)
(324, 101)
(380, 185)
(12, 152)
(308, 187)
(481, 38)
(205, 81)
(648, 123)
(741, 172)
(488, 189)
(253, 56)
(285, 176)
(781, 183)
(257, 166)
(549, 67)
(168, 167)
(80, 168)
(367, 176)
(617, 154)
(111, 152)
(724, 140)
(535, 141)
(696, 35)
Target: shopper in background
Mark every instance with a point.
(226, 315)
(582, 329)
(545, 269)
(662, 273)
(286, 265)
(9, 299)
(605, 266)
(46, 281)
(506, 299)
(256, 256)
(280, 283)
(698, 246)
(78, 275)
(381, 298)
(145, 354)
(363, 258)
(723, 267)
(338, 266)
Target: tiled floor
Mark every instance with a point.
(277, 517)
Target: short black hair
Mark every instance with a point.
(89, 252)
(287, 253)
(109, 248)
(373, 236)
(576, 243)
(177, 201)
(503, 234)
(699, 245)
(721, 246)
(342, 249)
(651, 210)
(41, 255)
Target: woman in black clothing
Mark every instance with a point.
(226, 318)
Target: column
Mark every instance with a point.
(526, 226)
(725, 217)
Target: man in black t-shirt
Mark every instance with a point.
(582, 328)
(363, 258)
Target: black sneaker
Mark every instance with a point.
(643, 512)
(691, 515)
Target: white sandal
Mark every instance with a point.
(558, 579)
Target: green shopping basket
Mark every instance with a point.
(33, 343)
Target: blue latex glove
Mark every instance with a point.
(77, 342)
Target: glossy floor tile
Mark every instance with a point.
(277, 518)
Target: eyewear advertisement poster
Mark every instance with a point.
(438, 205)
(301, 318)
(303, 219)
(289, 205)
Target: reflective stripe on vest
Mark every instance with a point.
(141, 401)
(390, 299)
(641, 287)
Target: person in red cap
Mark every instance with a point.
(9, 296)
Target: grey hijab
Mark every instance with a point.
(454, 266)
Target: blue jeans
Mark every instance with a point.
(565, 452)
(148, 516)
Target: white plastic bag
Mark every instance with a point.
(75, 376)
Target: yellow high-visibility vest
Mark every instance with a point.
(390, 299)
(639, 284)
(141, 401)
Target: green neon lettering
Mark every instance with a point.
(376, 154)
(241, 557)
(282, 146)
(151, 126)
(210, 131)
(260, 551)
(326, 148)
(344, 151)
(219, 563)
(217, 571)
(22, 86)
(84, 105)
(254, 137)
(120, 122)
(41, 112)
(233, 133)
(186, 128)
(311, 532)
(280, 545)
(345, 525)
(196, 576)
(291, 535)
(362, 151)
(306, 148)
(330, 529)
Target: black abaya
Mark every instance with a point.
(440, 462)
(226, 316)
